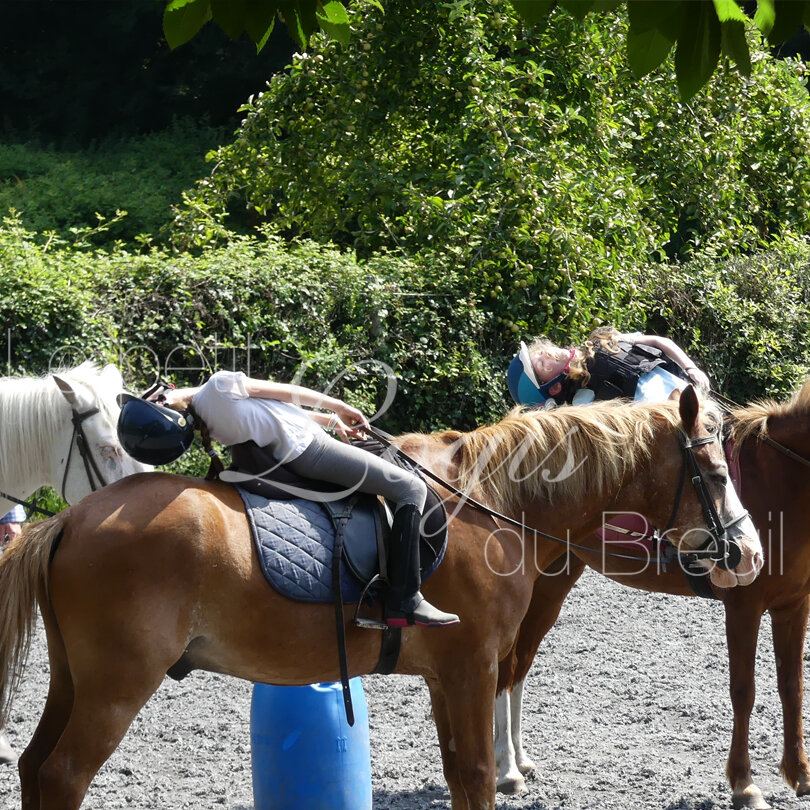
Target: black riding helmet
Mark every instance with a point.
(151, 433)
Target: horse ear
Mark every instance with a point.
(111, 374)
(689, 408)
(67, 390)
(674, 395)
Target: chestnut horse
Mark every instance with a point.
(160, 569)
(775, 488)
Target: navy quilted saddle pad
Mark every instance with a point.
(294, 539)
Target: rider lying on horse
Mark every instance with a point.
(608, 365)
(232, 408)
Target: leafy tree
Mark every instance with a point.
(537, 166)
(700, 30)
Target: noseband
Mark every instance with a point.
(718, 548)
(79, 440)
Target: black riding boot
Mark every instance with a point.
(404, 603)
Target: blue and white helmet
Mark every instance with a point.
(523, 384)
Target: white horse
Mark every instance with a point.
(60, 430)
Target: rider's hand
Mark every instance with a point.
(350, 417)
(343, 430)
(699, 378)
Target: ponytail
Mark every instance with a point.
(216, 466)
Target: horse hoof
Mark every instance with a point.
(750, 799)
(526, 767)
(512, 786)
(803, 791)
(8, 756)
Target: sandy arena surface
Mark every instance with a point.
(627, 707)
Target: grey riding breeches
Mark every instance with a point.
(328, 459)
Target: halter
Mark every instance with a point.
(79, 440)
(718, 547)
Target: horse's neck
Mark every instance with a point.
(30, 436)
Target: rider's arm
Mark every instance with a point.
(674, 352)
(298, 395)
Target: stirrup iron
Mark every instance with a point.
(362, 621)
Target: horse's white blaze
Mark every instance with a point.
(743, 532)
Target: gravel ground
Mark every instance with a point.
(627, 707)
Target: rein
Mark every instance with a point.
(719, 554)
(30, 505)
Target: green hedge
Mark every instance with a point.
(301, 307)
(746, 319)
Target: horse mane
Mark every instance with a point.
(753, 418)
(32, 418)
(566, 453)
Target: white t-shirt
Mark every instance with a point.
(234, 417)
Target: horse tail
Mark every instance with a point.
(23, 574)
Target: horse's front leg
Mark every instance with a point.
(458, 798)
(524, 761)
(548, 595)
(469, 698)
(789, 629)
(742, 628)
(510, 780)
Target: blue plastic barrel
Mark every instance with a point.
(304, 754)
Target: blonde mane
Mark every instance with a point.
(753, 419)
(32, 418)
(569, 452)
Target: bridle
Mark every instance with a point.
(718, 548)
(79, 439)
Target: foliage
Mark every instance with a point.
(48, 499)
(182, 19)
(46, 301)
(62, 191)
(530, 161)
(745, 320)
(702, 30)
(315, 314)
(289, 312)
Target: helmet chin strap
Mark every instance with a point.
(572, 353)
